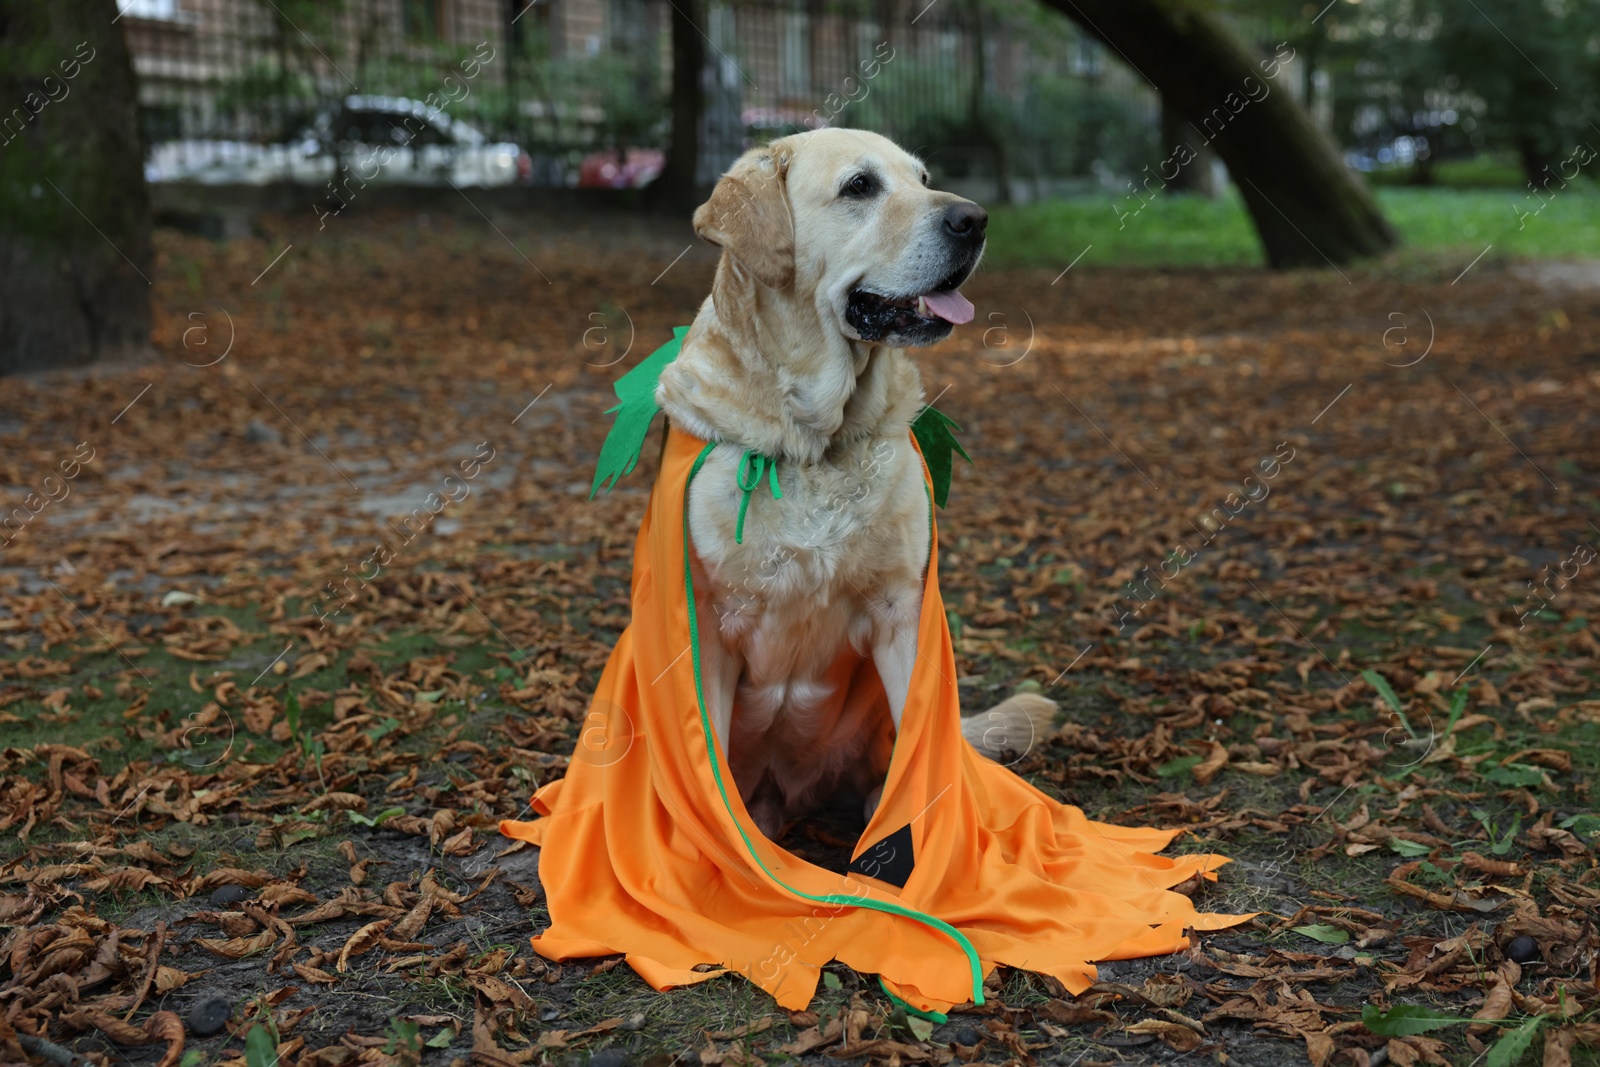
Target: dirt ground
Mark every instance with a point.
(1367, 677)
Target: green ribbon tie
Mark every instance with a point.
(753, 467)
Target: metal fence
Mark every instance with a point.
(576, 91)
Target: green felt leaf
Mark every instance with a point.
(1328, 935)
(933, 432)
(637, 409)
(637, 392)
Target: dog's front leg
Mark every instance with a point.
(719, 666)
(894, 616)
(894, 619)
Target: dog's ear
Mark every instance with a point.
(748, 217)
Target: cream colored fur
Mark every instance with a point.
(771, 365)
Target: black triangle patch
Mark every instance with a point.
(890, 860)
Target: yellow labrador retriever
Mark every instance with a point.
(835, 256)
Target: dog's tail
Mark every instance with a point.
(1012, 727)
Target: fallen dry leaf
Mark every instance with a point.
(1175, 1036)
(237, 948)
(362, 941)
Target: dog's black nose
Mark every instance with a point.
(966, 220)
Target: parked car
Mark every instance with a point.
(379, 139)
(765, 124)
(636, 168)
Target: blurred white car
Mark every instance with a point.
(377, 139)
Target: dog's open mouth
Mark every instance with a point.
(876, 315)
(904, 312)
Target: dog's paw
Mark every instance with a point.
(767, 814)
(1012, 727)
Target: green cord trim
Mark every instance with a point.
(929, 561)
(836, 899)
(910, 1009)
(753, 466)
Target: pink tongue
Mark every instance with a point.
(950, 306)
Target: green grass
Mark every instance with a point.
(102, 726)
(1194, 231)
(1478, 172)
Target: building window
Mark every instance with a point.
(524, 30)
(421, 19)
(149, 9)
(868, 40)
(1087, 56)
(794, 65)
(629, 26)
(723, 35)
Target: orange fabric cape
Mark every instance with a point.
(647, 849)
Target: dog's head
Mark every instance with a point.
(844, 221)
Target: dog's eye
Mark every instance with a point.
(924, 179)
(860, 187)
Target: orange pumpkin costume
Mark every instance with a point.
(647, 849)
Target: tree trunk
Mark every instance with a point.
(676, 189)
(515, 46)
(1422, 169)
(71, 164)
(1309, 208)
(1196, 176)
(888, 24)
(1537, 160)
(979, 128)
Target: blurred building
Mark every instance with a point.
(205, 66)
(1014, 95)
